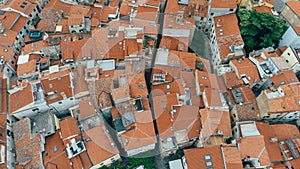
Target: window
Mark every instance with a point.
(59, 102)
(50, 86)
(288, 53)
(231, 9)
(208, 163)
(55, 149)
(71, 98)
(12, 62)
(207, 157)
(212, 14)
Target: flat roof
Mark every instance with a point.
(175, 164)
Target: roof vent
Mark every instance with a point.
(220, 132)
(274, 139)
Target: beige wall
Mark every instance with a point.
(290, 16)
(262, 106)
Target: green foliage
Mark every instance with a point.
(260, 29)
(148, 162)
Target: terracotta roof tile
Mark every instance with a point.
(27, 68)
(138, 86)
(206, 80)
(295, 162)
(21, 98)
(223, 4)
(142, 133)
(162, 105)
(266, 130)
(8, 19)
(19, 24)
(55, 153)
(125, 8)
(59, 5)
(212, 98)
(86, 108)
(106, 11)
(228, 25)
(8, 37)
(199, 154)
(27, 149)
(213, 120)
(188, 60)
(284, 77)
(194, 8)
(172, 87)
(263, 9)
(172, 43)
(68, 128)
(53, 82)
(147, 13)
(151, 28)
(71, 50)
(243, 66)
(295, 6)
(99, 143)
(82, 10)
(231, 80)
(232, 157)
(26, 7)
(75, 19)
(285, 131)
(254, 146)
(80, 85)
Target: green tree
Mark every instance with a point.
(260, 29)
(147, 162)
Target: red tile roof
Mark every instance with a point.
(99, 144)
(68, 128)
(27, 68)
(54, 154)
(213, 121)
(285, 131)
(243, 66)
(147, 13)
(162, 105)
(86, 108)
(27, 149)
(195, 157)
(266, 130)
(284, 76)
(223, 4)
(21, 98)
(142, 133)
(254, 146)
(295, 6)
(59, 82)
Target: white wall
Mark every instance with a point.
(290, 38)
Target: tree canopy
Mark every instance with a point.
(260, 29)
